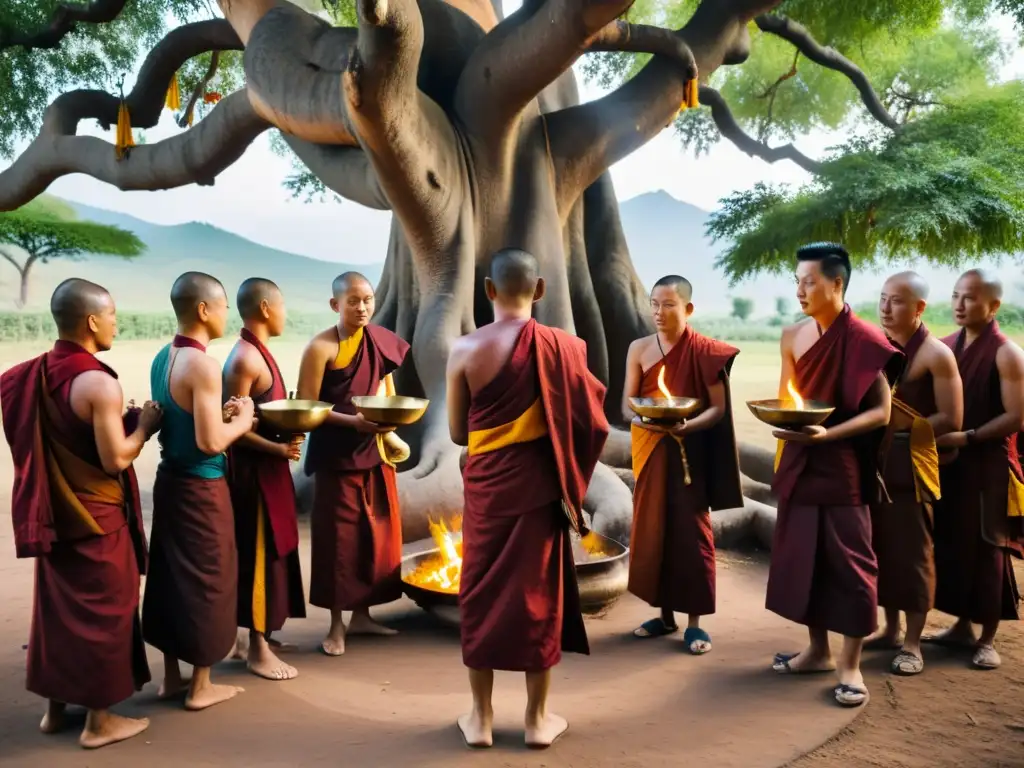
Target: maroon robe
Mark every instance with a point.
(824, 571)
(672, 545)
(974, 537)
(901, 525)
(355, 527)
(519, 601)
(266, 522)
(85, 529)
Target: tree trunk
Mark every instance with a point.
(23, 288)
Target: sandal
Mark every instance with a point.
(986, 657)
(851, 695)
(907, 664)
(655, 628)
(692, 637)
(781, 665)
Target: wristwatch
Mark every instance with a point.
(970, 435)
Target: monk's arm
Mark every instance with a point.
(878, 408)
(788, 372)
(213, 434)
(117, 451)
(713, 413)
(240, 375)
(458, 395)
(949, 394)
(1010, 364)
(634, 373)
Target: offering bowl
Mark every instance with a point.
(664, 410)
(391, 411)
(783, 414)
(294, 416)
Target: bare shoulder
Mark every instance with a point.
(791, 333)
(244, 358)
(940, 358)
(639, 346)
(1010, 360)
(99, 386)
(324, 344)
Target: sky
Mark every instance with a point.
(248, 198)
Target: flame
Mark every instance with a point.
(798, 401)
(443, 571)
(661, 384)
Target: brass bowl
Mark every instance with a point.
(602, 581)
(294, 416)
(782, 415)
(665, 409)
(391, 411)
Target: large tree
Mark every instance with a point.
(468, 127)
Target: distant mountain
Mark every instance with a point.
(666, 236)
(143, 284)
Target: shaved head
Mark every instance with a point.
(347, 280)
(251, 295)
(514, 273)
(991, 285)
(73, 301)
(679, 284)
(913, 282)
(192, 289)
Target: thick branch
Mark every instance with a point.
(641, 38)
(406, 135)
(731, 130)
(523, 55)
(830, 58)
(65, 17)
(588, 139)
(345, 170)
(193, 157)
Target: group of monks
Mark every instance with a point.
(910, 495)
(921, 447)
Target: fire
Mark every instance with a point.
(798, 401)
(661, 384)
(443, 571)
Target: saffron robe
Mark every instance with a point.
(84, 527)
(266, 522)
(355, 526)
(976, 532)
(902, 524)
(824, 573)
(672, 545)
(536, 432)
(189, 609)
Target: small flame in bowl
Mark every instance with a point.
(661, 384)
(798, 402)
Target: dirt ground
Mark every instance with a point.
(394, 701)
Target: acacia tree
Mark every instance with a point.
(468, 127)
(45, 230)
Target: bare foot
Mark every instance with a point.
(263, 663)
(333, 645)
(957, 636)
(110, 730)
(53, 721)
(547, 731)
(362, 624)
(209, 695)
(803, 663)
(476, 730)
(241, 647)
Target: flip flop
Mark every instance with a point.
(907, 664)
(781, 666)
(986, 657)
(655, 628)
(851, 695)
(695, 635)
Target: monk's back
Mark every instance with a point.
(492, 347)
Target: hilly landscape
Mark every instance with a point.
(665, 235)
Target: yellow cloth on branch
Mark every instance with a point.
(125, 140)
(173, 99)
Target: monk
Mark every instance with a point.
(672, 561)
(262, 494)
(979, 525)
(189, 608)
(76, 510)
(824, 573)
(356, 527)
(521, 398)
(927, 402)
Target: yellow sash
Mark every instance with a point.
(643, 442)
(1015, 505)
(924, 456)
(347, 349)
(529, 426)
(386, 389)
(780, 446)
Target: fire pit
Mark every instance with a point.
(430, 578)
